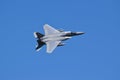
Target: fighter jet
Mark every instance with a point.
(53, 38)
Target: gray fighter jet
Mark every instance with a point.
(53, 37)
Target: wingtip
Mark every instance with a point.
(46, 25)
(49, 52)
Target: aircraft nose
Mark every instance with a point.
(80, 33)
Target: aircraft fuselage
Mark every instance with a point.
(60, 36)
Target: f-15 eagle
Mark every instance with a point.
(53, 37)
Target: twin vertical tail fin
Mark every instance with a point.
(38, 35)
(39, 45)
(39, 42)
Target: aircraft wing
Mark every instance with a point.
(51, 45)
(50, 30)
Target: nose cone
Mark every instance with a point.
(74, 33)
(79, 33)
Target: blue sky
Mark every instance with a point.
(92, 56)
